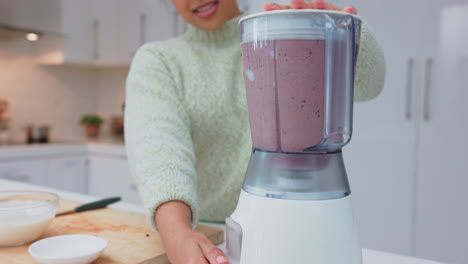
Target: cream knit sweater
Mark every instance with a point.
(186, 121)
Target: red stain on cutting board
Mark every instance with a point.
(85, 224)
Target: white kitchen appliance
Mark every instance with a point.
(295, 203)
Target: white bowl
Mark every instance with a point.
(25, 215)
(68, 249)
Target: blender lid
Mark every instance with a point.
(291, 24)
(297, 11)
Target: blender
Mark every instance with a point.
(295, 204)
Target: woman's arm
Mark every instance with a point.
(158, 135)
(160, 152)
(173, 219)
(370, 67)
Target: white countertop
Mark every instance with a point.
(370, 256)
(61, 148)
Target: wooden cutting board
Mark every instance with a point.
(131, 240)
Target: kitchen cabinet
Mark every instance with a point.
(93, 34)
(79, 45)
(69, 174)
(5, 11)
(110, 176)
(65, 173)
(26, 171)
(97, 169)
(108, 32)
(109, 20)
(44, 15)
(442, 163)
(152, 21)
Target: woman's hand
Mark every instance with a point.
(182, 244)
(315, 4)
(193, 248)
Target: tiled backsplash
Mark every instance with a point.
(110, 94)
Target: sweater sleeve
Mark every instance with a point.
(370, 67)
(157, 135)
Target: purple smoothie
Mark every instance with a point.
(285, 81)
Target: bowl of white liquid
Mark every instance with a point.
(25, 215)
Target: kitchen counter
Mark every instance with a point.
(370, 256)
(104, 147)
(6, 185)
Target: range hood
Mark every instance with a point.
(8, 31)
(38, 18)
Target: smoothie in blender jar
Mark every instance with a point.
(285, 80)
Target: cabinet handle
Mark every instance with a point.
(427, 88)
(70, 164)
(143, 20)
(21, 178)
(176, 25)
(96, 29)
(409, 89)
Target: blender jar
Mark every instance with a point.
(299, 74)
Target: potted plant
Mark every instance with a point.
(92, 124)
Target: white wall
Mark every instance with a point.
(56, 95)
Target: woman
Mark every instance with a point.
(187, 127)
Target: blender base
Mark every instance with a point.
(276, 231)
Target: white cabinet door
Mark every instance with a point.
(110, 176)
(441, 229)
(163, 20)
(108, 32)
(380, 158)
(80, 41)
(48, 13)
(42, 15)
(69, 174)
(96, 32)
(32, 172)
(139, 24)
(5, 11)
(152, 21)
(110, 26)
(64, 173)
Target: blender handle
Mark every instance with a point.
(427, 88)
(409, 89)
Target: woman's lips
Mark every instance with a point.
(207, 9)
